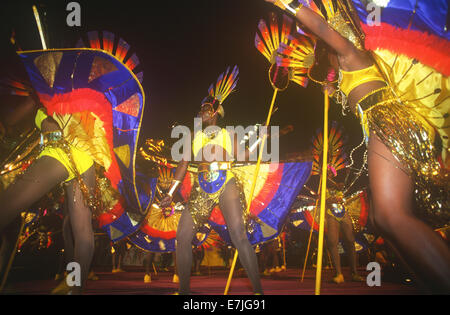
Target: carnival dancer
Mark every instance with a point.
(405, 125)
(17, 108)
(77, 91)
(214, 185)
(337, 216)
(118, 252)
(271, 256)
(45, 173)
(337, 219)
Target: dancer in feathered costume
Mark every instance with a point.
(218, 191)
(91, 109)
(401, 97)
(18, 139)
(214, 185)
(337, 217)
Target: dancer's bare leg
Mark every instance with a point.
(332, 239)
(392, 190)
(349, 242)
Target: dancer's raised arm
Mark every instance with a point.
(347, 52)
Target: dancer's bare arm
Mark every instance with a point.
(180, 173)
(347, 52)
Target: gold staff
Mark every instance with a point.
(322, 195)
(38, 22)
(252, 190)
(290, 55)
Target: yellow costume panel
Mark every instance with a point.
(82, 160)
(410, 116)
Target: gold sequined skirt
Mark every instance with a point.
(202, 203)
(413, 141)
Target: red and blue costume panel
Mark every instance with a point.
(103, 94)
(272, 201)
(418, 29)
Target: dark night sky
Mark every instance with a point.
(183, 46)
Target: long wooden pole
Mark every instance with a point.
(252, 190)
(322, 196)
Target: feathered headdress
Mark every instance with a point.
(217, 93)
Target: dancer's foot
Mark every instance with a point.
(92, 276)
(339, 279)
(357, 278)
(62, 289)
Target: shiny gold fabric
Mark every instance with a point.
(423, 90)
(157, 220)
(353, 208)
(107, 195)
(337, 194)
(411, 139)
(201, 203)
(338, 23)
(48, 65)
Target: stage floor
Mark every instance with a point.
(213, 281)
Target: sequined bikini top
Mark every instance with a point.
(221, 138)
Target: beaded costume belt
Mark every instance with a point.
(374, 98)
(50, 137)
(214, 166)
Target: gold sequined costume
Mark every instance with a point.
(411, 129)
(201, 203)
(410, 115)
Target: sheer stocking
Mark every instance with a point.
(232, 212)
